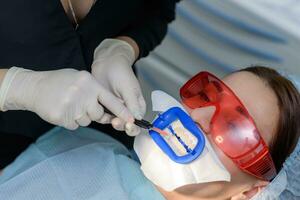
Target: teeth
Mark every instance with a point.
(186, 136)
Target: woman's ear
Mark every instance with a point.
(252, 191)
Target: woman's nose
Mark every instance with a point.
(203, 117)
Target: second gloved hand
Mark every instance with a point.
(65, 97)
(112, 67)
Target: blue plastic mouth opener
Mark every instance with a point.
(164, 121)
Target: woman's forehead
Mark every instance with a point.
(258, 98)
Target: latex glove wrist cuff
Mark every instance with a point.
(7, 102)
(109, 48)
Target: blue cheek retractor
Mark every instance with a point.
(164, 121)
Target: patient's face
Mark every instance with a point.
(261, 103)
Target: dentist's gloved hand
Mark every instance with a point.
(65, 97)
(112, 67)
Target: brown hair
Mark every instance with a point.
(288, 98)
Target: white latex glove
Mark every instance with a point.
(65, 97)
(112, 67)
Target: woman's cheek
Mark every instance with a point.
(227, 162)
(189, 110)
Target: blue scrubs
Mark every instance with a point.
(71, 165)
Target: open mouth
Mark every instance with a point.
(181, 140)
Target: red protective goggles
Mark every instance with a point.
(232, 128)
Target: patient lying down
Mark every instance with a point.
(87, 164)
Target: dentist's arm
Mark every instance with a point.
(149, 30)
(113, 58)
(65, 97)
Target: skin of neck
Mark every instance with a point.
(191, 193)
(208, 191)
